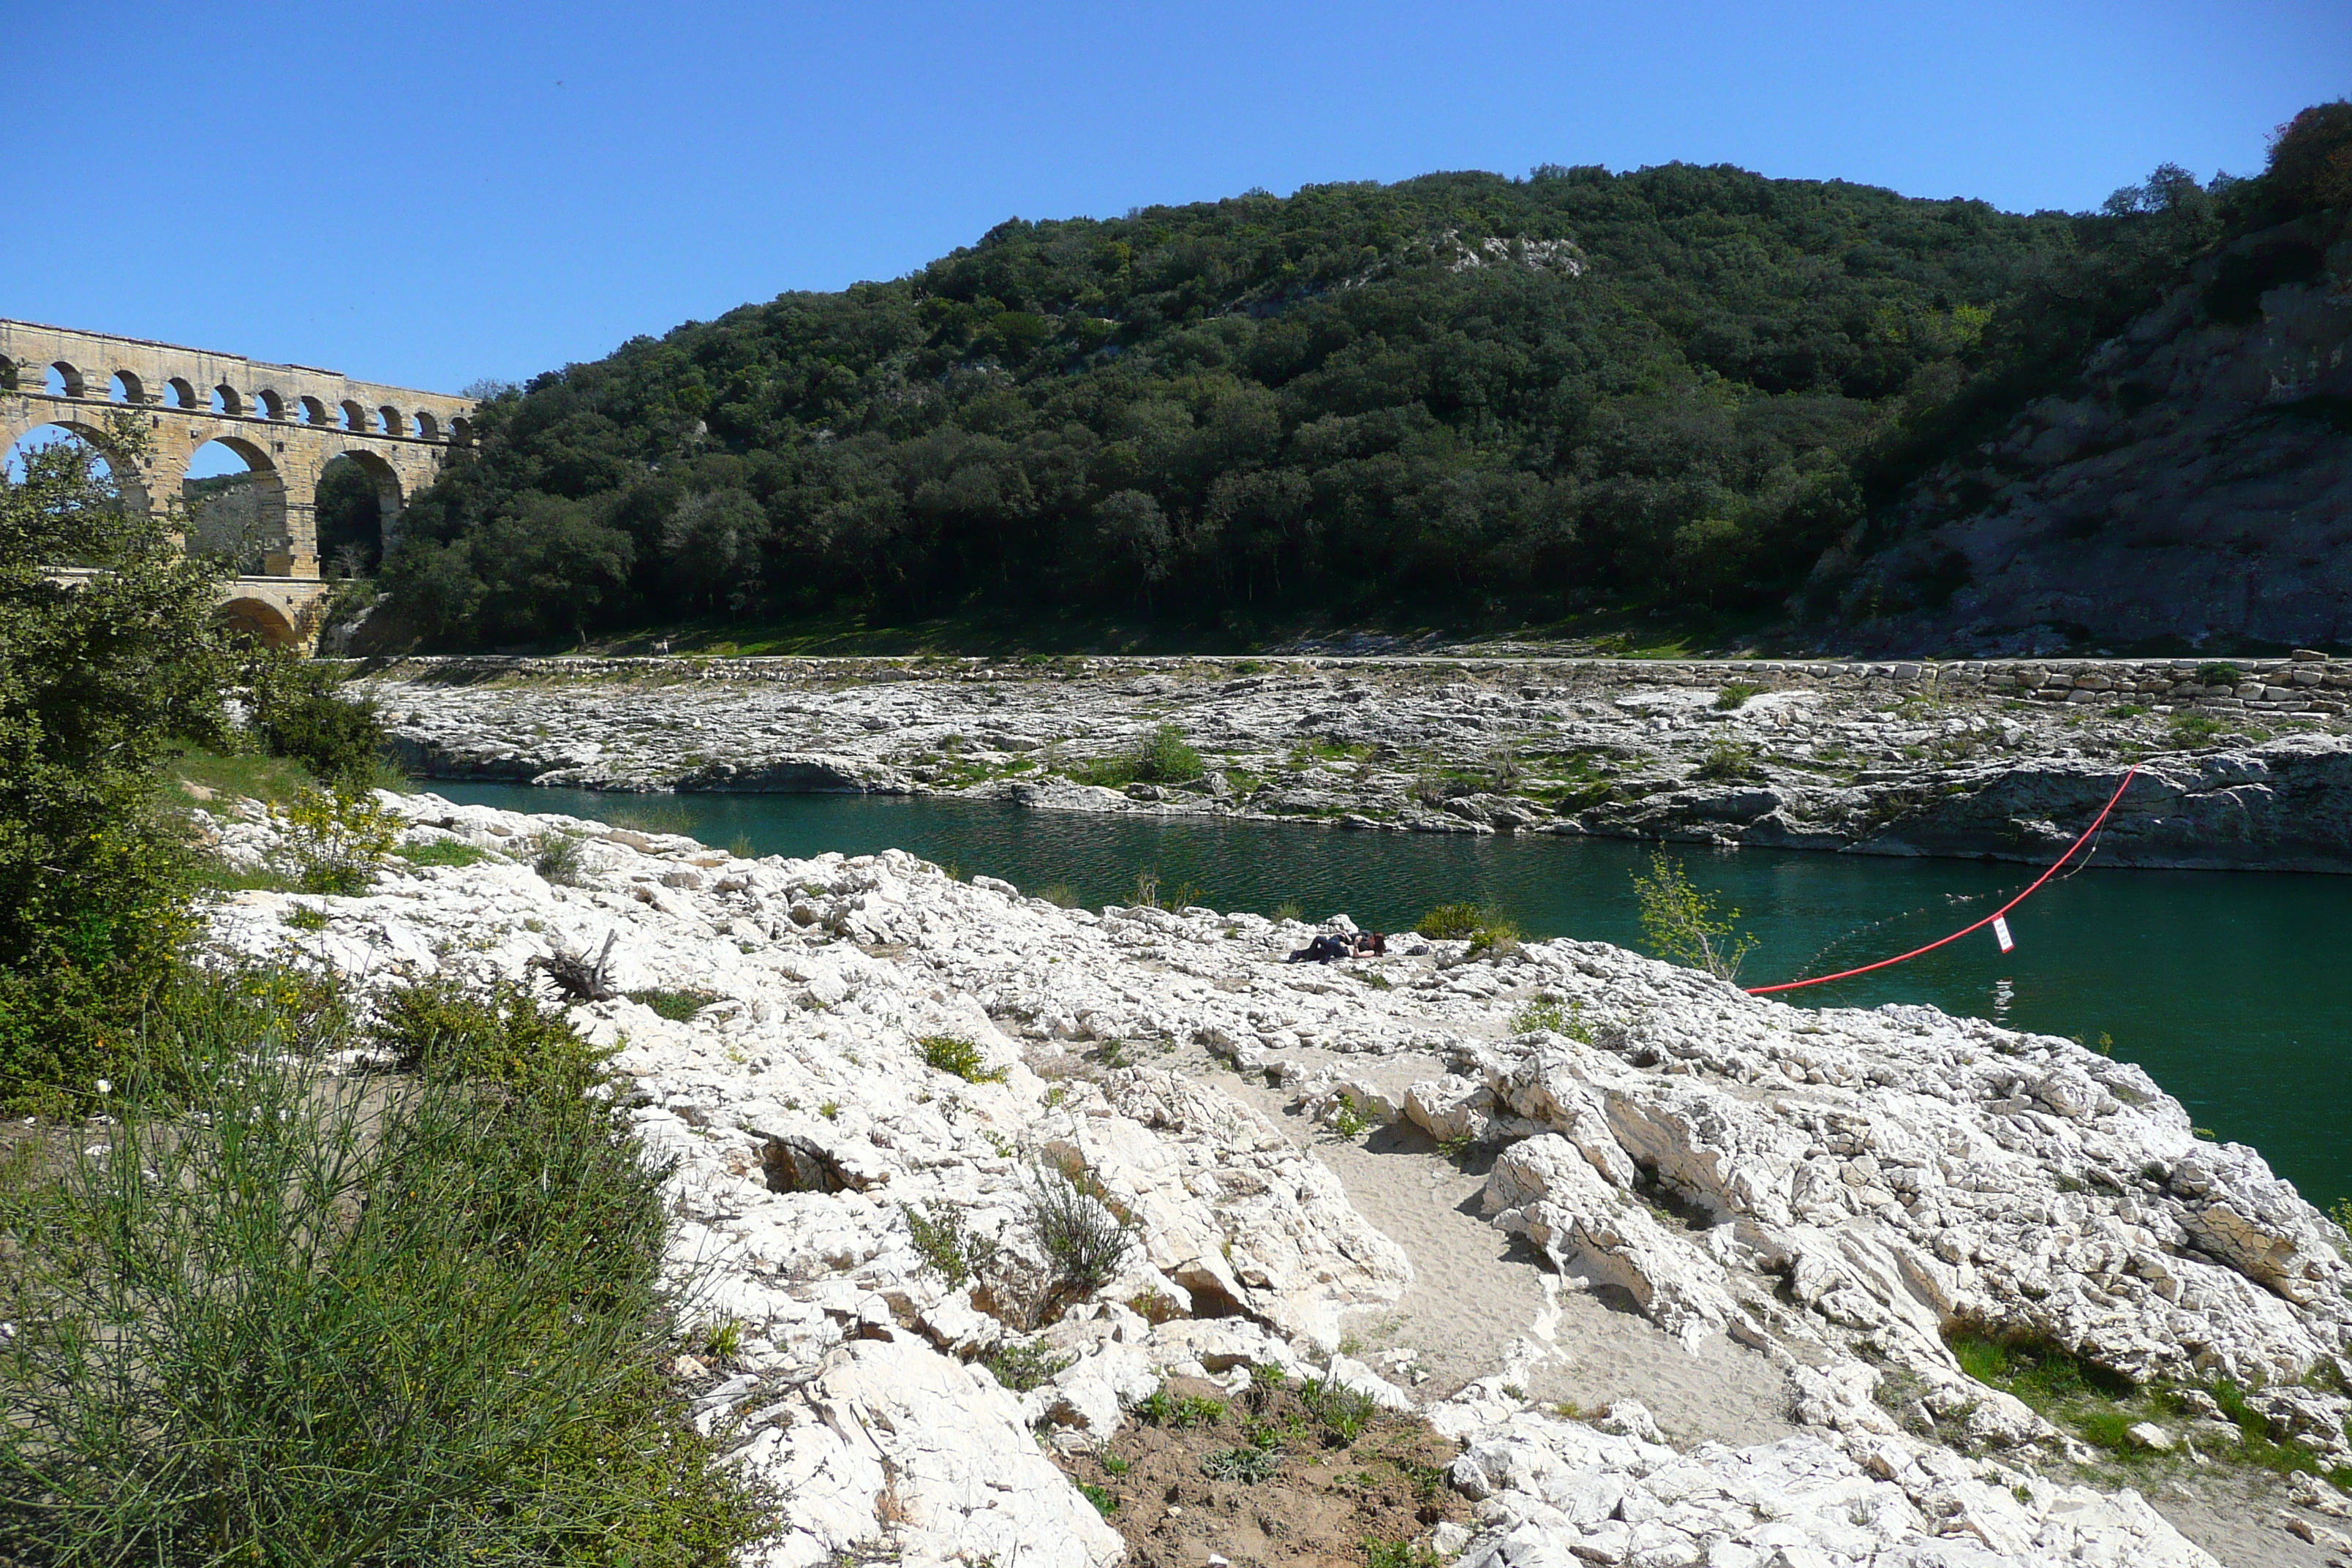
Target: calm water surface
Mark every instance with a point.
(2234, 989)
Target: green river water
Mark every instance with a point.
(2220, 983)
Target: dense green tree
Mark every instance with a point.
(712, 546)
(2311, 159)
(1455, 392)
(99, 673)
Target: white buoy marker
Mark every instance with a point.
(2000, 933)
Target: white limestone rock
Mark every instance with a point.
(1829, 1187)
(948, 1457)
(1560, 1492)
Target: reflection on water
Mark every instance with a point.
(2216, 982)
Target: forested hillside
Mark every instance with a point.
(1462, 395)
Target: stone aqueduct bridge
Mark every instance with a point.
(286, 421)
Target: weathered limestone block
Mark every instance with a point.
(1547, 1190)
(1554, 1493)
(952, 1452)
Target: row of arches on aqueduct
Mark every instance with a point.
(284, 469)
(278, 523)
(63, 379)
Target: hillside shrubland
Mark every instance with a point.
(1463, 394)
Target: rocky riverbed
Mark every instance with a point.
(2245, 765)
(1676, 1273)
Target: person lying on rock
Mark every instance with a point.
(1328, 948)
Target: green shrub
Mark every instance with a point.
(1735, 696)
(1449, 922)
(337, 842)
(1082, 1238)
(290, 1319)
(306, 916)
(555, 856)
(297, 712)
(1497, 934)
(441, 852)
(954, 1053)
(723, 1340)
(1249, 1465)
(1681, 924)
(1022, 1367)
(949, 1250)
(1164, 758)
(1386, 1553)
(100, 682)
(1489, 931)
(450, 1032)
(1344, 1413)
(2195, 728)
(1179, 1412)
(1728, 761)
(2219, 675)
(1104, 1504)
(677, 1006)
(1161, 757)
(1540, 1013)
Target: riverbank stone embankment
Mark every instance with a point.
(2245, 766)
(1820, 1205)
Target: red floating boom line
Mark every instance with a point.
(2054, 865)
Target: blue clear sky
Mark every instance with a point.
(426, 194)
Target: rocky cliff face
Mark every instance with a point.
(2199, 487)
(1819, 1196)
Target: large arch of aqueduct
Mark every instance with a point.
(286, 421)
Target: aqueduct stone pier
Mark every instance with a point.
(287, 422)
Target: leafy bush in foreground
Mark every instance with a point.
(97, 678)
(279, 1318)
(338, 841)
(454, 1033)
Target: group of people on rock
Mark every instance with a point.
(1333, 946)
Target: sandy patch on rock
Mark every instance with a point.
(1483, 1303)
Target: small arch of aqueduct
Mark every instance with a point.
(286, 421)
